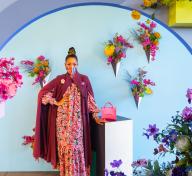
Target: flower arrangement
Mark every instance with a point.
(148, 38)
(29, 140)
(10, 79)
(115, 50)
(39, 69)
(140, 86)
(176, 140)
(154, 4)
(116, 172)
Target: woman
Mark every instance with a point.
(62, 133)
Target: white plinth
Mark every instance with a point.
(113, 141)
(119, 144)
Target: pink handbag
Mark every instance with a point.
(108, 113)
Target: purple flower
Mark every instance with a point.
(173, 135)
(106, 172)
(187, 113)
(189, 95)
(152, 130)
(116, 163)
(166, 140)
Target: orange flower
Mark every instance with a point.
(36, 70)
(47, 69)
(135, 15)
(38, 65)
(147, 3)
(157, 35)
(156, 42)
(45, 63)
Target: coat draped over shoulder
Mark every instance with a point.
(45, 145)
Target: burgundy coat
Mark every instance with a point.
(45, 145)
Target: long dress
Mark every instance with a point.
(69, 132)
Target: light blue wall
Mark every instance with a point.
(87, 28)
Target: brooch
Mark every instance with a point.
(83, 83)
(62, 81)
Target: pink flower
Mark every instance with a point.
(41, 58)
(143, 25)
(153, 25)
(12, 90)
(120, 38)
(135, 82)
(110, 59)
(10, 79)
(148, 82)
(140, 163)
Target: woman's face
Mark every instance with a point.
(70, 64)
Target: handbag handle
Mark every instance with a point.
(108, 103)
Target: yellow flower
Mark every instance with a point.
(157, 34)
(147, 3)
(148, 21)
(148, 90)
(135, 15)
(109, 50)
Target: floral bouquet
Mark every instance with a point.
(154, 4)
(140, 86)
(39, 69)
(116, 172)
(115, 50)
(29, 140)
(175, 139)
(148, 38)
(10, 79)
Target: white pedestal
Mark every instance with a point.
(114, 141)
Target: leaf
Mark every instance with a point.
(157, 168)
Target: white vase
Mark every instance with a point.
(137, 101)
(149, 57)
(116, 67)
(46, 79)
(2, 109)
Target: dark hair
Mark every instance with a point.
(71, 53)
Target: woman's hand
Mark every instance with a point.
(97, 119)
(61, 102)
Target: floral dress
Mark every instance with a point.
(69, 131)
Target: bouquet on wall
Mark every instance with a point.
(140, 86)
(115, 50)
(175, 140)
(10, 79)
(148, 38)
(29, 140)
(39, 69)
(154, 4)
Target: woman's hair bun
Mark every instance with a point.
(71, 51)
